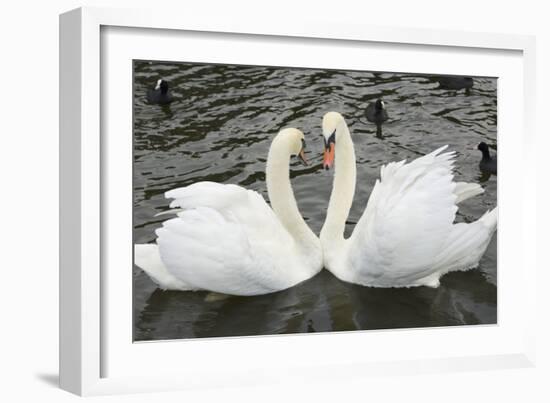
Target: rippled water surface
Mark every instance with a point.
(219, 128)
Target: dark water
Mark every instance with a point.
(219, 129)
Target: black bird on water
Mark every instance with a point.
(488, 163)
(160, 94)
(376, 113)
(455, 83)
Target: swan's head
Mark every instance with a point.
(333, 123)
(291, 140)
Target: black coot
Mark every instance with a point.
(488, 163)
(376, 113)
(455, 82)
(160, 94)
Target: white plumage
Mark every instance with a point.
(227, 239)
(406, 235)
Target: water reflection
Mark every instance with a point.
(320, 304)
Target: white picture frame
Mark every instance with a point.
(87, 319)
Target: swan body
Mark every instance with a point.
(227, 239)
(406, 235)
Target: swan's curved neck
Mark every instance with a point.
(343, 187)
(282, 197)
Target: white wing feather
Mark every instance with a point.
(408, 222)
(464, 190)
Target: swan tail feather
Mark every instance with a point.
(490, 218)
(168, 212)
(464, 190)
(467, 243)
(147, 258)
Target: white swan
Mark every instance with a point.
(406, 235)
(227, 239)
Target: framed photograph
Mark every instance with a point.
(243, 202)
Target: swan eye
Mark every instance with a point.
(303, 144)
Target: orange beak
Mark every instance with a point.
(328, 156)
(302, 156)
